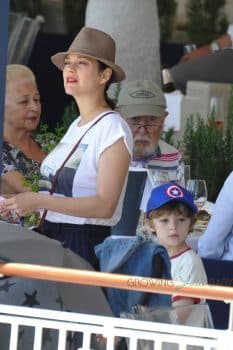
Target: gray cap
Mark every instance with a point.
(140, 98)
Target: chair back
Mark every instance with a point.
(219, 272)
(131, 205)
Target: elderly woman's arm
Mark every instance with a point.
(213, 242)
(12, 182)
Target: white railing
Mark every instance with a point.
(137, 334)
(132, 330)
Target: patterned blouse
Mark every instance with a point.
(14, 159)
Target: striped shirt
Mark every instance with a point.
(164, 166)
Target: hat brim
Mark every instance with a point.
(118, 73)
(141, 110)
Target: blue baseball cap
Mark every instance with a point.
(170, 192)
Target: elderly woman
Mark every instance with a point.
(22, 155)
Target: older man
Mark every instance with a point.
(143, 105)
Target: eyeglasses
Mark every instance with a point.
(138, 125)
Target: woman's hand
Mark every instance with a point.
(5, 214)
(21, 204)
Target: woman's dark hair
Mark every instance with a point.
(110, 102)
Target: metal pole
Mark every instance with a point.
(4, 15)
(114, 280)
(230, 322)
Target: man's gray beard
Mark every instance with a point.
(140, 152)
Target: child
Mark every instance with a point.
(171, 214)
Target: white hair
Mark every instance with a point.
(15, 71)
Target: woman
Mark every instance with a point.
(217, 241)
(22, 155)
(88, 197)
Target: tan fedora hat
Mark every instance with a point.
(94, 43)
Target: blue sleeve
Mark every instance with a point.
(212, 243)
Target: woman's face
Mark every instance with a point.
(22, 104)
(81, 75)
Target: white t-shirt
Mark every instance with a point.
(187, 268)
(78, 177)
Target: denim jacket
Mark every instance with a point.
(137, 257)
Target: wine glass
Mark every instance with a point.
(188, 48)
(187, 174)
(158, 177)
(183, 174)
(216, 110)
(179, 175)
(198, 189)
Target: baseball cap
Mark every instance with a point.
(170, 192)
(140, 98)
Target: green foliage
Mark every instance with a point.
(32, 219)
(206, 20)
(48, 139)
(29, 7)
(117, 91)
(74, 11)
(166, 12)
(206, 149)
(70, 113)
(32, 182)
(168, 136)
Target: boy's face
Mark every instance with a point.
(171, 229)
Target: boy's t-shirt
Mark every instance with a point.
(187, 268)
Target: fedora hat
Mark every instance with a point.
(93, 43)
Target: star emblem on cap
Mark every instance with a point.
(174, 192)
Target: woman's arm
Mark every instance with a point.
(112, 171)
(12, 182)
(212, 243)
(222, 42)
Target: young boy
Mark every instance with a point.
(171, 214)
